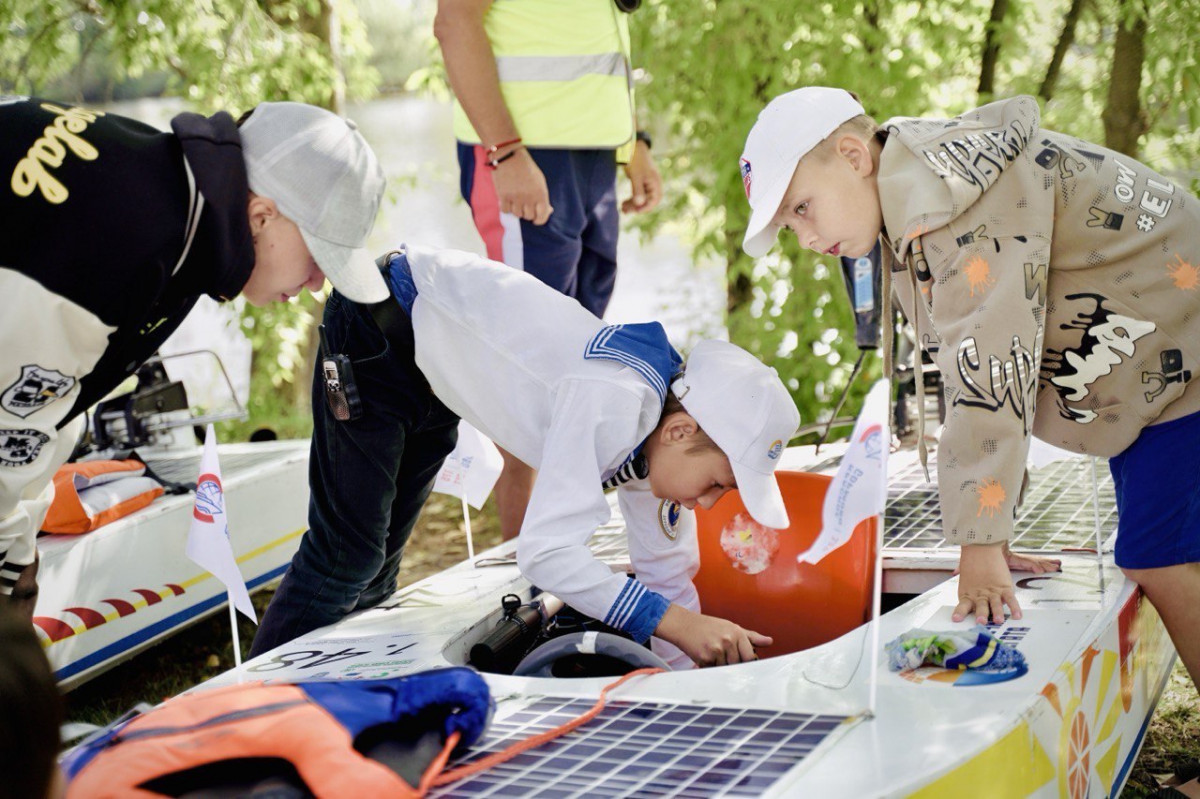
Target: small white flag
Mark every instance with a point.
(859, 490)
(208, 541)
(471, 470)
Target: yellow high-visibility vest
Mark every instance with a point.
(564, 72)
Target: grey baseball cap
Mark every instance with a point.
(323, 175)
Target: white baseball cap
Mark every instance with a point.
(743, 406)
(322, 174)
(787, 129)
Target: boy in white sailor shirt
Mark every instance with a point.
(588, 406)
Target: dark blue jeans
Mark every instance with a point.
(575, 252)
(368, 479)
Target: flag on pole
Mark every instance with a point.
(859, 490)
(471, 470)
(208, 539)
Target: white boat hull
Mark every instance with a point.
(107, 595)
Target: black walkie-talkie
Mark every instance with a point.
(341, 392)
(864, 279)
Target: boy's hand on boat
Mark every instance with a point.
(985, 584)
(1030, 563)
(708, 640)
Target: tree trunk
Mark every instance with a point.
(991, 51)
(1123, 117)
(871, 16)
(89, 37)
(326, 26)
(329, 29)
(1065, 39)
(739, 288)
(302, 386)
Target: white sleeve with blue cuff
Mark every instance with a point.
(594, 424)
(665, 554)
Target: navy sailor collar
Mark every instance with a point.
(644, 348)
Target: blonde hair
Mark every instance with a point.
(863, 126)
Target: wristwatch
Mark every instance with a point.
(643, 136)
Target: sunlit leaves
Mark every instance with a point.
(228, 54)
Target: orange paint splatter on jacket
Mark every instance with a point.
(1185, 275)
(980, 274)
(991, 497)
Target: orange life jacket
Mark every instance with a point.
(89, 494)
(254, 720)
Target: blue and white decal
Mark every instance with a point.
(669, 512)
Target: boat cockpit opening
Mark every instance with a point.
(749, 574)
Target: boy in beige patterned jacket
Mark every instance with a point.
(1056, 284)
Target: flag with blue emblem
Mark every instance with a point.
(471, 470)
(208, 543)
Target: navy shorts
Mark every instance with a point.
(575, 252)
(1157, 480)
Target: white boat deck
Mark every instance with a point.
(798, 724)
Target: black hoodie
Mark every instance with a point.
(109, 232)
(111, 244)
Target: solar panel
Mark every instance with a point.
(650, 749)
(1057, 513)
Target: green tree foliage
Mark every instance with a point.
(226, 54)
(281, 335)
(709, 67)
(400, 33)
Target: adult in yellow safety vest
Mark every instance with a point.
(544, 111)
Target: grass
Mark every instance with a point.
(205, 650)
(1172, 739)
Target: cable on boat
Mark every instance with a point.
(845, 393)
(531, 742)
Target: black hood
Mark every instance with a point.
(223, 249)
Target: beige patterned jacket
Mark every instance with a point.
(1057, 286)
